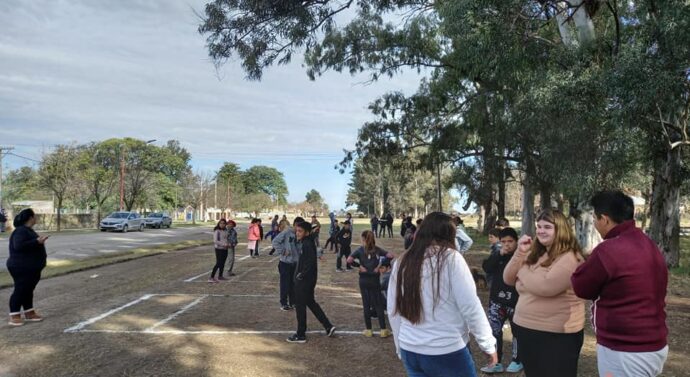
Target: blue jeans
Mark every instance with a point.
(455, 364)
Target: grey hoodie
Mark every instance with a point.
(285, 244)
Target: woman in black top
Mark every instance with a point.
(371, 258)
(27, 260)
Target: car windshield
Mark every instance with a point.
(156, 215)
(118, 215)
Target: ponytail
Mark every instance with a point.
(369, 241)
(23, 217)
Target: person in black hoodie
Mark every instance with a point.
(502, 300)
(344, 239)
(306, 274)
(27, 260)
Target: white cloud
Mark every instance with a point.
(81, 70)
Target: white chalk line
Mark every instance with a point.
(176, 314)
(209, 272)
(354, 284)
(219, 332)
(93, 320)
(81, 325)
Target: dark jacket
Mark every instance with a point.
(25, 251)
(500, 292)
(344, 237)
(626, 277)
(306, 272)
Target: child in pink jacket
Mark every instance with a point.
(254, 237)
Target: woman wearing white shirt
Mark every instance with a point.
(432, 303)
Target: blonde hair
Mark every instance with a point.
(284, 224)
(564, 240)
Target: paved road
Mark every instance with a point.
(77, 246)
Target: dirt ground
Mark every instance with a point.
(141, 318)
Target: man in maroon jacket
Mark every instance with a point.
(626, 278)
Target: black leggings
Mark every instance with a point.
(372, 299)
(221, 257)
(547, 354)
(25, 281)
(344, 252)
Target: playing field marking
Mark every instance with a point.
(190, 280)
(176, 314)
(93, 320)
(80, 327)
(354, 284)
(220, 332)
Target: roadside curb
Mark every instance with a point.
(101, 261)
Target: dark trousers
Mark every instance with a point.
(221, 257)
(498, 315)
(344, 252)
(547, 354)
(305, 299)
(25, 281)
(231, 259)
(382, 230)
(331, 241)
(287, 285)
(372, 300)
(390, 230)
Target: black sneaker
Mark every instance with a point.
(339, 270)
(297, 339)
(330, 331)
(285, 308)
(292, 307)
(231, 273)
(272, 251)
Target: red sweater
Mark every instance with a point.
(626, 277)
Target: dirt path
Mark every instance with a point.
(141, 318)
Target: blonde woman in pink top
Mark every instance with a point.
(549, 318)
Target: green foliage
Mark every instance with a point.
(267, 180)
(23, 184)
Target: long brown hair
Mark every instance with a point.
(369, 242)
(437, 232)
(564, 240)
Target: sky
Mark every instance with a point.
(82, 70)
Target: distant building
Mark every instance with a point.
(39, 206)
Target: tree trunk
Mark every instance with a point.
(59, 215)
(560, 203)
(563, 27)
(545, 198)
(586, 234)
(501, 203)
(527, 209)
(664, 226)
(583, 22)
(489, 217)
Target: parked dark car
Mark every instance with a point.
(158, 220)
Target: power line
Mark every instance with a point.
(26, 158)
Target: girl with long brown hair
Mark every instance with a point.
(549, 318)
(371, 258)
(432, 302)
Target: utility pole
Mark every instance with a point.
(122, 177)
(438, 186)
(3, 151)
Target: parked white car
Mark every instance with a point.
(158, 220)
(122, 222)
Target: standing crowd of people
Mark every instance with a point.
(538, 285)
